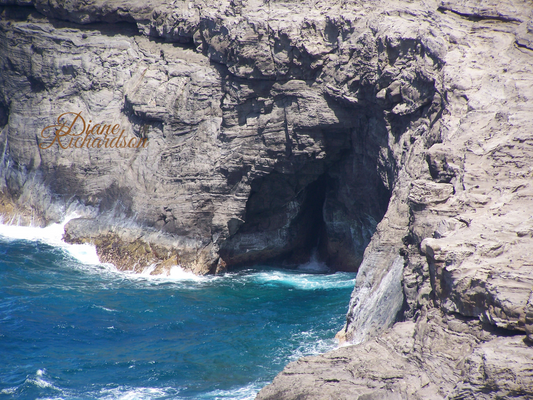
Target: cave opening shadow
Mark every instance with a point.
(299, 219)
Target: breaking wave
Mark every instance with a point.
(73, 328)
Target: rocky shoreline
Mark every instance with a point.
(393, 137)
(438, 356)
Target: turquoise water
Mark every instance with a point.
(76, 330)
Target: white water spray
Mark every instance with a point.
(52, 235)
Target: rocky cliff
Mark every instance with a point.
(394, 137)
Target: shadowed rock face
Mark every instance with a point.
(272, 138)
(393, 137)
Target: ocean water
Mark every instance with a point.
(71, 328)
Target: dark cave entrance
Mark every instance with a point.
(283, 220)
(295, 213)
(324, 207)
(331, 204)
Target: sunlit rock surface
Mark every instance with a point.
(392, 137)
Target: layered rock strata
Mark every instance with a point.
(466, 246)
(436, 357)
(269, 132)
(394, 137)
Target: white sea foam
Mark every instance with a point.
(104, 308)
(118, 393)
(248, 392)
(308, 276)
(310, 346)
(86, 253)
(40, 381)
(52, 235)
(176, 275)
(173, 273)
(306, 281)
(314, 266)
(140, 393)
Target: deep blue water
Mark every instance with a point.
(70, 330)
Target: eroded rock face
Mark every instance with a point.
(394, 137)
(275, 136)
(438, 357)
(466, 241)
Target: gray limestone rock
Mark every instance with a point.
(467, 248)
(252, 154)
(437, 357)
(392, 137)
